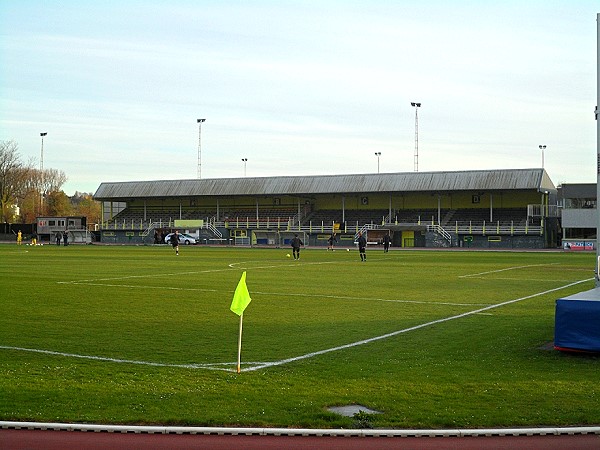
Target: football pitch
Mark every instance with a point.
(430, 339)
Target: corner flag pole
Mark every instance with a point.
(241, 299)
(239, 360)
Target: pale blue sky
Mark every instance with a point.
(298, 87)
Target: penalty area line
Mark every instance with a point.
(406, 330)
(265, 365)
(505, 269)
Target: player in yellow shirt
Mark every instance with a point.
(19, 237)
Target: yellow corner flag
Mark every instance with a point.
(241, 297)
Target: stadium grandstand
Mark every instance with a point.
(482, 209)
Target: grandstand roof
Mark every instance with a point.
(476, 180)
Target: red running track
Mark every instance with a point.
(82, 440)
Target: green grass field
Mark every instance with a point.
(136, 335)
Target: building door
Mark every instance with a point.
(408, 238)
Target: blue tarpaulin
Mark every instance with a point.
(577, 324)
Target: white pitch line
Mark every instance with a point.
(229, 268)
(505, 269)
(342, 297)
(520, 279)
(288, 264)
(117, 360)
(135, 286)
(280, 294)
(232, 266)
(263, 365)
(406, 330)
(152, 275)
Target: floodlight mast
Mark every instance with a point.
(416, 105)
(378, 154)
(200, 121)
(42, 174)
(542, 148)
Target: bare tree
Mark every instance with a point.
(13, 178)
(54, 180)
(23, 185)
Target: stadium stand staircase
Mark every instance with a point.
(441, 231)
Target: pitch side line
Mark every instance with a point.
(406, 330)
(505, 269)
(212, 366)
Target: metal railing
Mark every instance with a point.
(496, 228)
(440, 230)
(289, 224)
(209, 226)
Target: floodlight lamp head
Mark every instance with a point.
(43, 134)
(201, 120)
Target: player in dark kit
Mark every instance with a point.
(331, 242)
(296, 243)
(386, 243)
(362, 247)
(174, 239)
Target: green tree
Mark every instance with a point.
(86, 206)
(58, 204)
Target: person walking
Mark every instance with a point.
(174, 239)
(386, 243)
(66, 238)
(296, 243)
(331, 241)
(58, 237)
(362, 247)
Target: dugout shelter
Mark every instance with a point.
(513, 208)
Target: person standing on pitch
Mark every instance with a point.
(19, 237)
(175, 241)
(362, 247)
(331, 241)
(296, 243)
(386, 243)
